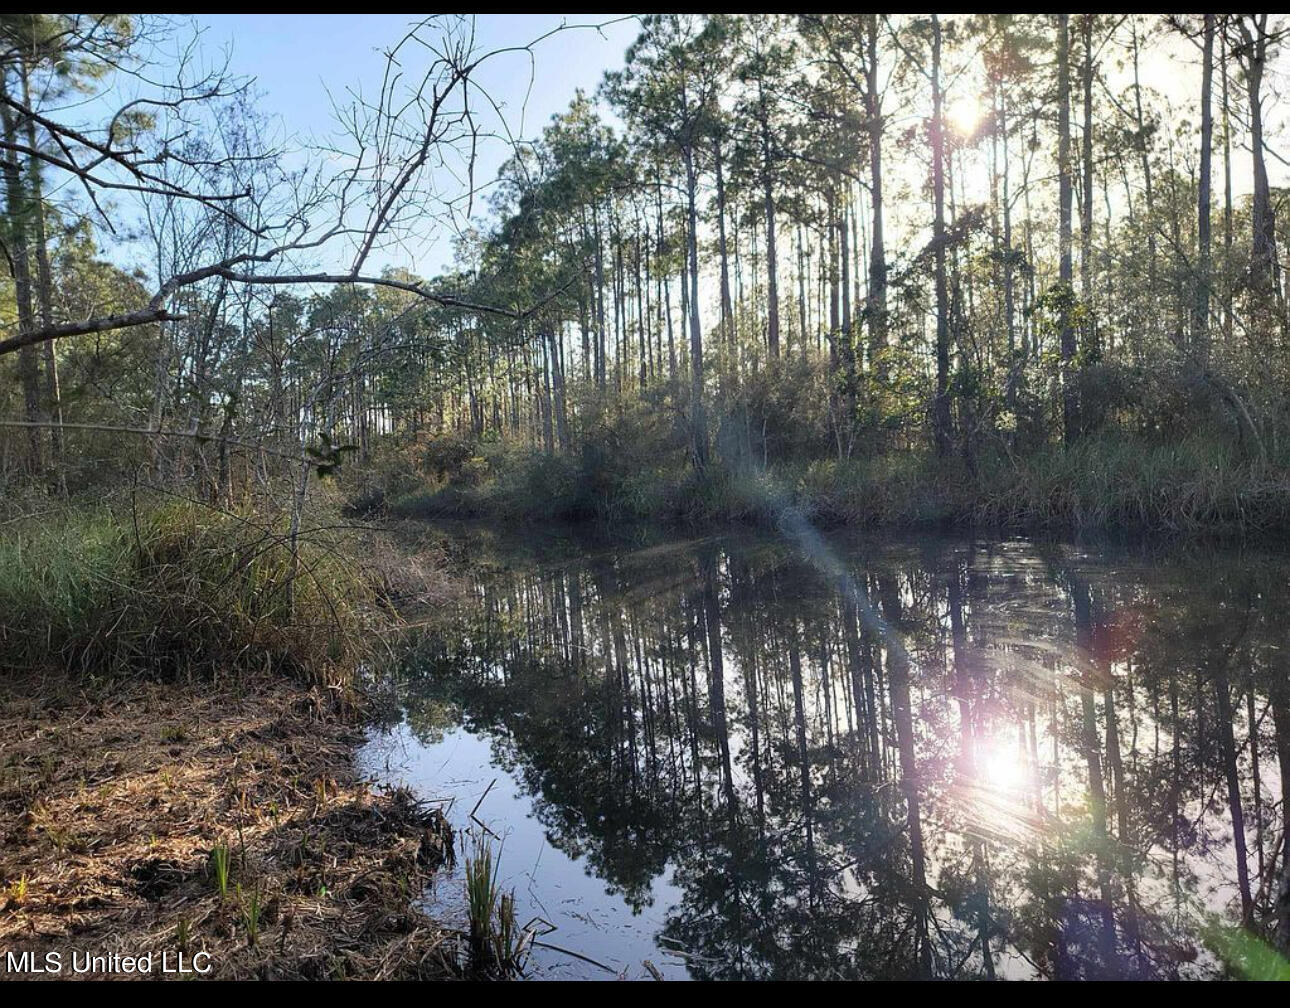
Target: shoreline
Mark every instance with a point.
(225, 821)
(1188, 503)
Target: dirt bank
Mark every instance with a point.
(113, 797)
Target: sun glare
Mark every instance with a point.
(964, 115)
(1002, 770)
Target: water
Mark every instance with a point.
(828, 756)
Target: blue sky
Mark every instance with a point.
(297, 58)
(294, 56)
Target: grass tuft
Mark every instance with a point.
(497, 944)
(219, 862)
(177, 590)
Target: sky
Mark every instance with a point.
(294, 57)
(298, 59)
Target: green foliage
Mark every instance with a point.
(219, 863)
(1129, 483)
(497, 943)
(451, 457)
(617, 471)
(1246, 955)
(632, 466)
(327, 457)
(177, 588)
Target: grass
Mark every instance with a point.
(252, 908)
(497, 944)
(1189, 486)
(16, 893)
(1107, 483)
(180, 589)
(481, 898)
(219, 866)
(174, 695)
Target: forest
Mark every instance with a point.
(803, 277)
(888, 270)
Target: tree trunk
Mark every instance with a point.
(727, 308)
(768, 202)
(1088, 336)
(941, 403)
(876, 308)
(698, 417)
(45, 294)
(1252, 53)
(19, 212)
(1066, 292)
(1200, 313)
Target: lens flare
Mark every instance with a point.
(964, 114)
(1002, 770)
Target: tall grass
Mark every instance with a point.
(1197, 484)
(1190, 486)
(174, 589)
(497, 944)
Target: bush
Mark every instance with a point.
(179, 589)
(617, 473)
(453, 458)
(393, 472)
(1125, 483)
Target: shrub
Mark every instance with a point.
(180, 589)
(454, 458)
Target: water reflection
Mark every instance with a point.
(923, 759)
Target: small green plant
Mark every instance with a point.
(219, 866)
(16, 892)
(481, 899)
(252, 906)
(183, 936)
(174, 734)
(497, 945)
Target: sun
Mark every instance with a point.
(1002, 770)
(964, 115)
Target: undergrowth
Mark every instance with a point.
(176, 588)
(1108, 483)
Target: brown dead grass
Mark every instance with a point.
(113, 795)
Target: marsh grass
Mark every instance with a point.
(220, 863)
(1193, 485)
(498, 945)
(179, 589)
(1111, 483)
(481, 900)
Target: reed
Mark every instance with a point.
(178, 589)
(498, 946)
(220, 863)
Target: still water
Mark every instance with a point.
(806, 756)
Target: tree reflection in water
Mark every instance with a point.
(937, 758)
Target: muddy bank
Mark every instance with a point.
(146, 819)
